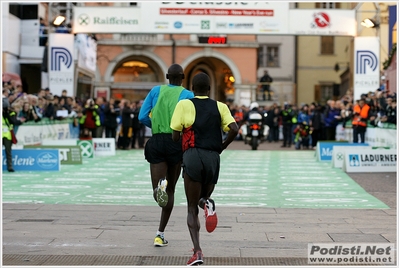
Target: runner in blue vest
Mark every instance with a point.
(163, 154)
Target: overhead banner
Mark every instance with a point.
(106, 19)
(322, 22)
(367, 65)
(61, 63)
(215, 17)
(221, 18)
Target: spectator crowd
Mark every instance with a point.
(95, 118)
(302, 126)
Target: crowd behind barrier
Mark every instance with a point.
(50, 116)
(317, 122)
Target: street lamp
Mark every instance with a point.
(370, 23)
(59, 20)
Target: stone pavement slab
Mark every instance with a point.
(119, 230)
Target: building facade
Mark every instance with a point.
(304, 68)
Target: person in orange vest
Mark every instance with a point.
(359, 122)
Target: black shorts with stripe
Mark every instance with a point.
(202, 165)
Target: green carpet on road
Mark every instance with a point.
(272, 179)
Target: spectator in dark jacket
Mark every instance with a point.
(316, 121)
(127, 115)
(111, 113)
(331, 119)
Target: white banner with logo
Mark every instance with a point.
(366, 75)
(216, 17)
(87, 48)
(61, 63)
(104, 146)
(107, 19)
(188, 17)
(370, 160)
(322, 22)
(338, 154)
(35, 134)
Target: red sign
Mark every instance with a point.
(212, 39)
(321, 19)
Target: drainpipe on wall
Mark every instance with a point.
(173, 48)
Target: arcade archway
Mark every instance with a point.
(222, 77)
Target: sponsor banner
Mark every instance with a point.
(351, 253)
(324, 149)
(216, 17)
(34, 160)
(322, 22)
(370, 160)
(86, 146)
(107, 20)
(61, 63)
(338, 153)
(223, 18)
(87, 48)
(185, 17)
(367, 65)
(381, 137)
(35, 133)
(69, 155)
(104, 146)
(66, 142)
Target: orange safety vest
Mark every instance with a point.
(361, 113)
(239, 116)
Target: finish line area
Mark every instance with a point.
(270, 179)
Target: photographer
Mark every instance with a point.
(302, 135)
(90, 120)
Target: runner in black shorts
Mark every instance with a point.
(201, 120)
(163, 154)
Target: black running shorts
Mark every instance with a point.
(161, 148)
(202, 165)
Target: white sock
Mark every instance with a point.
(161, 234)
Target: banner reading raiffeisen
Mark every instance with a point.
(107, 19)
(366, 75)
(61, 64)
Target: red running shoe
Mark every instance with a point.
(196, 259)
(211, 219)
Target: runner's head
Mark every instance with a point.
(201, 84)
(175, 74)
